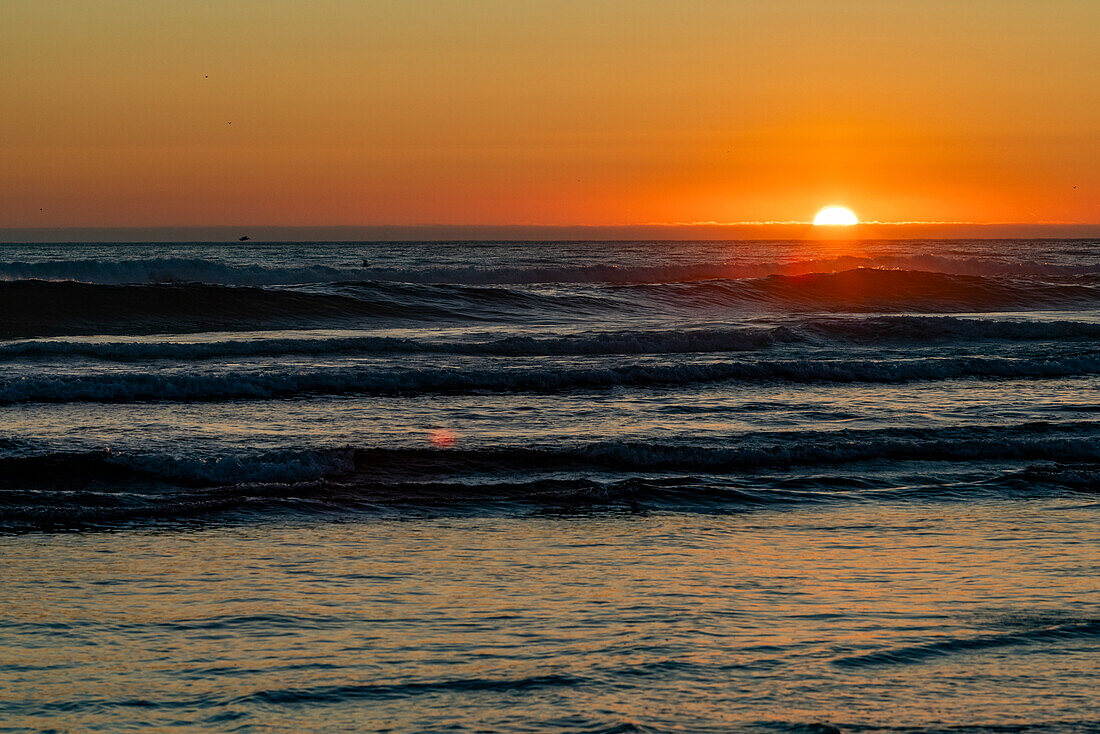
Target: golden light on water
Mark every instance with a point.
(836, 215)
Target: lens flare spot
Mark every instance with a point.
(442, 438)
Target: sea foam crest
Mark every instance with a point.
(259, 385)
(1073, 444)
(874, 330)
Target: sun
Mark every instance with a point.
(836, 215)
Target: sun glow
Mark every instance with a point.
(835, 215)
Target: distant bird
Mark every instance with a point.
(246, 238)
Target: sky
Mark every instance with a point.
(647, 113)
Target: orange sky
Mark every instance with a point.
(357, 112)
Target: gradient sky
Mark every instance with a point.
(349, 112)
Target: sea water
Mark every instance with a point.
(590, 486)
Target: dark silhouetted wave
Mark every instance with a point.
(103, 488)
(279, 383)
(193, 270)
(45, 308)
(873, 330)
(868, 290)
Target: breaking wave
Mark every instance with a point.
(194, 270)
(638, 342)
(42, 308)
(1069, 443)
(874, 330)
(103, 487)
(368, 380)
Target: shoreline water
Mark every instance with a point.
(583, 487)
(869, 617)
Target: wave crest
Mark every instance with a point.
(873, 330)
(196, 270)
(263, 385)
(106, 488)
(43, 308)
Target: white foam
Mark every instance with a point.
(136, 387)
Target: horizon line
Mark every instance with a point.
(667, 231)
(550, 225)
(780, 222)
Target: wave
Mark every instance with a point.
(338, 693)
(195, 270)
(931, 329)
(1072, 444)
(58, 490)
(275, 384)
(170, 270)
(108, 466)
(314, 695)
(957, 645)
(1068, 443)
(37, 307)
(42, 308)
(875, 330)
(627, 342)
(869, 290)
(1077, 477)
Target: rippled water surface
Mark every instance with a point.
(877, 616)
(550, 486)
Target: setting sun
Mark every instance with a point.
(835, 215)
(404, 359)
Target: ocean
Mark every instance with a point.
(809, 486)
